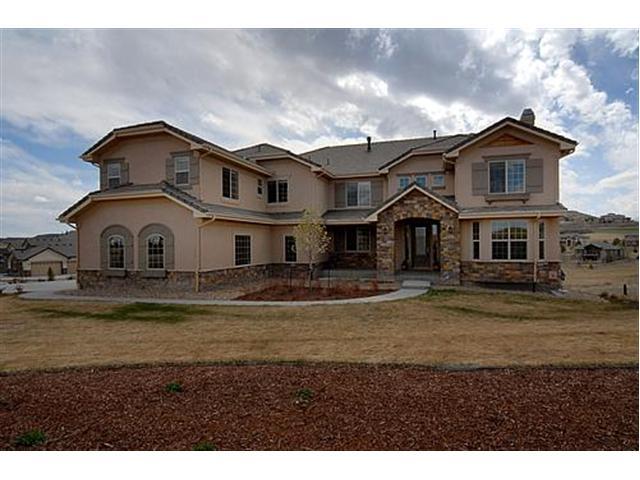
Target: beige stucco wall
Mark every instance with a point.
(306, 189)
(135, 215)
(540, 148)
(145, 154)
(218, 244)
(552, 239)
(419, 165)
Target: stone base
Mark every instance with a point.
(548, 274)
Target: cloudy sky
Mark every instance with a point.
(62, 90)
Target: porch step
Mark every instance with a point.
(416, 284)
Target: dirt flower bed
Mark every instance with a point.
(286, 293)
(319, 406)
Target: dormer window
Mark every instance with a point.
(114, 174)
(506, 176)
(182, 170)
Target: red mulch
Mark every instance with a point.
(285, 293)
(353, 407)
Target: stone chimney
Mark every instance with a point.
(528, 116)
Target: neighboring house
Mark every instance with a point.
(630, 244)
(572, 240)
(599, 252)
(34, 256)
(614, 218)
(174, 209)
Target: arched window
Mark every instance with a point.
(155, 252)
(116, 252)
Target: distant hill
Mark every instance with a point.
(575, 216)
(579, 222)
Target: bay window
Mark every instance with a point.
(509, 240)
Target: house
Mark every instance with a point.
(599, 252)
(176, 210)
(630, 244)
(33, 256)
(614, 218)
(572, 240)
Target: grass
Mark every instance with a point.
(444, 327)
(30, 439)
(603, 277)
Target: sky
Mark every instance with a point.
(61, 90)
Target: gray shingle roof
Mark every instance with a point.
(347, 215)
(260, 150)
(515, 208)
(355, 159)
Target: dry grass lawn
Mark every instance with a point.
(603, 277)
(448, 328)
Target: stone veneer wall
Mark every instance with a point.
(418, 205)
(511, 272)
(183, 281)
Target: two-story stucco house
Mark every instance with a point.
(174, 209)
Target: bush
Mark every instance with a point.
(50, 275)
(204, 445)
(30, 438)
(173, 387)
(304, 396)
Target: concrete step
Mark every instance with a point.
(417, 284)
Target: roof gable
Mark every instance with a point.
(373, 216)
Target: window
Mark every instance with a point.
(403, 182)
(541, 234)
(357, 239)
(229, 183)
(116, 251)
(155, 252)
(509, 240)
(421, 180)
(290, 254)
(437, 180)
(506, 176)
(476, 240)
(242, 250)
(113, 174)
(260, 187)
(278, 191)
(182, 170)
(358, 194)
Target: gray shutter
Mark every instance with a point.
(534, 175)
(170, 171)
(479, 179)
(124, 172)
(376, 192)
(103, 176)
(194, 170)
(340, 195)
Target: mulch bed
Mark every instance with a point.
(322, 406)
(290, 294)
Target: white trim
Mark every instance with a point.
(509, 240)
(373, 217)
(260, 185)
(109, 164)
(235, 235)
(231, 172)
(186, 157)
(277, 181)
(164, 251)
(284, 248)
(124, 252)
(506, 176)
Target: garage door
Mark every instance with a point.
(40, 269)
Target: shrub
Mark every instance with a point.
(173, 387)
(304, 396)
(204, 445)
(50, 275)
(30, 438)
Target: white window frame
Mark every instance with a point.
(284, 248)
(164, 251)
(435, 184)
(362, 188)
(509, 240)
(110, 176)
(358, 231)
(507, 163)
(402, 177)
(260, 187)
(475, 241)
(232, 172)
(176, 168)
(235, 236)
(124, 252)
(542, 244)
(277, 182)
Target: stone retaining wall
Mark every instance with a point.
(511, 272)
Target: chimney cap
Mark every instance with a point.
(528, 116)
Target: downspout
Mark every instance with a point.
(536, 241)
(199, 252)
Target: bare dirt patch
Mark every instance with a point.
(285, 293)
(320, 406)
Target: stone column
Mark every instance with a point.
(385, 246)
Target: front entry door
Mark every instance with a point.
(421, 257)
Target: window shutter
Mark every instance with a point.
(103, 176)
(124, 172)
(534, 175)
(170, 172)
(479, 178)
(340, 195)
(194, 170)
(376, 192)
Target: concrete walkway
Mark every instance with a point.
(401, 294)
